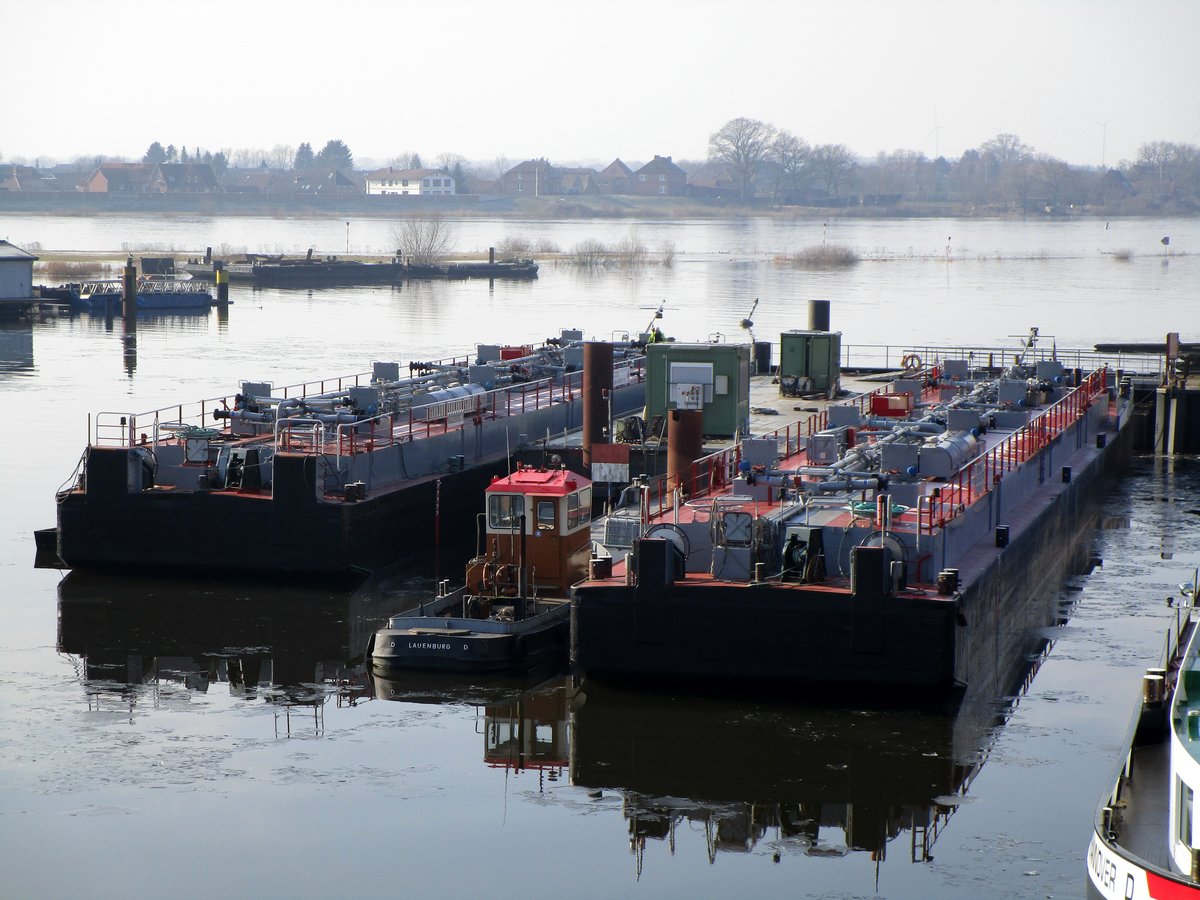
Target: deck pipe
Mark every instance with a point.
(597, 388)
(685, 444)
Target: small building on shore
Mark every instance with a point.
(16, 278)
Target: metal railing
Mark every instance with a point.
(123, 429)
(888, 357)
(977, 478)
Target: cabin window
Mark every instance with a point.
(545, 515)
(1183, 808)
(505, 511)
(579, 508)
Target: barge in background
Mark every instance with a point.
(1147, 826)
(538, 527)
(328, 476)
(154, 294)
(884, 544)
(315, 272)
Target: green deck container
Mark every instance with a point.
(812, 355)
(712, 377)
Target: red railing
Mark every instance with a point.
(976, 479)
(712, 474)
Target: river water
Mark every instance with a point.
(195, 738)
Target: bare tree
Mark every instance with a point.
(832, 163)
(1054, 173)
(406, 160)
(246, 157)
(423, 240)
(1007, 148)
(501, 164)
(743, 145)
(790, 154)
(281, 156)
(455, 165)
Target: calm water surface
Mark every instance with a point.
(205, 737)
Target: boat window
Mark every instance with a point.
(579, 508)
(545, 515)
(1183, 808)
(505, 510)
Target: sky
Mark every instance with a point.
(1087, 81)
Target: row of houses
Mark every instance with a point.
(532, 178)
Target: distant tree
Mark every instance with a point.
(220, 162)
(406, 160)
(790, 155)
(1006, 149)
(500, 165)
(456, 165)
(897, 172)
(743, 145)
(335, 155)
(281, 156)
(183, 155)
(1008, 161)
(156, 154)
(172, 153)
(304, 157)
(969, 177)
(424, 240)
(832, 163)
(245, 157)
(1053, 173)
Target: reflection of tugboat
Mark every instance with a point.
(526, 719)
(538, 526)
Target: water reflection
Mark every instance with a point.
(523, 721)
(16, 348)
(292, 646)
(740, 774)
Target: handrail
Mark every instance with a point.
(520, 398)
(977, 477)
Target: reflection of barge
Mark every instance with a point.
(1147, 828)
(879, 548)
(802, 780)
(257, 636)
(321, 477)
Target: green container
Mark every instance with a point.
(812, 355)
(718, 376)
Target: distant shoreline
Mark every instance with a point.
(497, 206)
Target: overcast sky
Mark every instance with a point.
(1087, 81)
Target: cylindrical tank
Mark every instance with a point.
(949, 454)
(818, 315)
(685, 444)
(597, 386)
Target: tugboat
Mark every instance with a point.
(513, 612)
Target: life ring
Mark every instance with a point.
(910, 361)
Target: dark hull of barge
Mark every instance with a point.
(322, 274)
(290, 532)
(863, 636)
